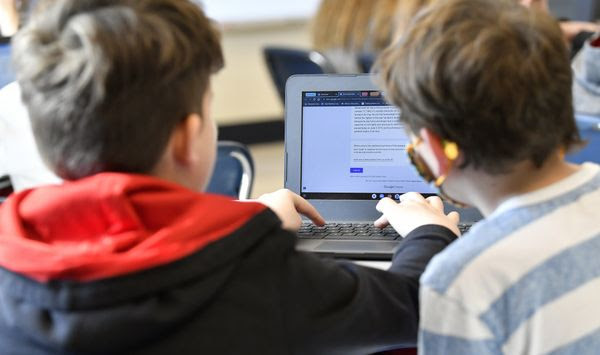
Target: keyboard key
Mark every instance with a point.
(310, 236)
(464, 228)
(347, 231)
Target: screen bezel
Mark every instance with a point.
(377, 100)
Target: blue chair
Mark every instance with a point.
(366, 61)
(589, 129)
(5, 187)
(234, 171)
(233, 174)
(7, 74)
(285, 62)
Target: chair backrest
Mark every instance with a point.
(285, 62)
(7, 74)
(366, 61)
(589, 129)
(5, 187)
(234, 171)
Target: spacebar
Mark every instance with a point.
(347, 237)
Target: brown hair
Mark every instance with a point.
(405, 13)
(106, 81)
(488, 75)
(354, 25)
(341, 24)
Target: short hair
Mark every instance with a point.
(489, 75)
(106, 81)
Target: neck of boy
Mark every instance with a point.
(487, 192)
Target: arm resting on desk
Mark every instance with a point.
(339, 307)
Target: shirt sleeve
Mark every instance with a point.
(448, 327)
(418, 247)
(342, 308)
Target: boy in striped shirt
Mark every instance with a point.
(485, 92)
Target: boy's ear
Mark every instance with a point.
(183, 139)
(436, 157)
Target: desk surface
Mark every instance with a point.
(383, 265)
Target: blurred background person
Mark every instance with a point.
(405, 12)
(586, 78)
(9, 23)
(575, 32)
(19, 157)
(351, 33)
(343, 30)
(13, 13)
(9, 18)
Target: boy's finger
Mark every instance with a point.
(385, 204)
(381, 222)
(436, 202)
(454, 216)
(305, 208)
(414, 196)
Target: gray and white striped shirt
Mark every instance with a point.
(526, 280)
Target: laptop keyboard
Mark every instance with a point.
(358, 231)
(464, 228)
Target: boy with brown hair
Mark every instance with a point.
(126, 256)
(485, 92)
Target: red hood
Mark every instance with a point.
(111, 224)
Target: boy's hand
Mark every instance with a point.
(288, 206)
(414, 211)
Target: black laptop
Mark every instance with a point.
(345, 150)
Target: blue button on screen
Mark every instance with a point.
(356, 170)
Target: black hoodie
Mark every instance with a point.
(249, 292)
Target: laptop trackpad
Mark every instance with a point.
(357, 246)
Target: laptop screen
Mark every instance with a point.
(354, 147)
